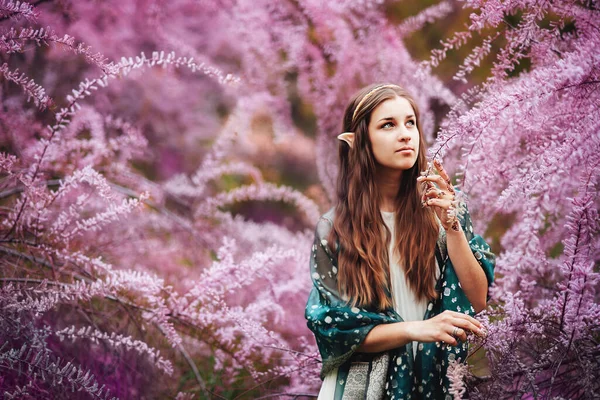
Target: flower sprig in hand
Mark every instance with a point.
(438, 192)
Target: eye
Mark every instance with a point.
(410, 122)
(387, 125)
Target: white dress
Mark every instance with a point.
(405, 302)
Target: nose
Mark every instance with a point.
(403, 134)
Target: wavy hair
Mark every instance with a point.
(363, 266)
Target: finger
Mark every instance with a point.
(438, 165)
(437, 193)
(456, 314)
(459, 333)
(449, 339)
(443, 203)
(470, 319)
(431, 193)
(444, 176)
(427, 187)
(462, 335)
(467, 325)
(437, 179)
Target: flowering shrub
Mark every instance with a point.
(130, 143)
(527, 144)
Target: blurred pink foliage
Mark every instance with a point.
(121, 137)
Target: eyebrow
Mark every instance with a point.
(392, 118)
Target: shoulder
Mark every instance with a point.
(325, 223)
(329, 215)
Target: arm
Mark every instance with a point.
(339, 328)
(470, 274)
(386, 337)
(439, 328)
(469, 254)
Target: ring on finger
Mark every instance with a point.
(455, 332)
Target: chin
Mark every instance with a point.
(405, 165)
(399, 165)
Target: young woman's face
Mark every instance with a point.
(393, 127)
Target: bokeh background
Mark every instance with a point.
(163, 165)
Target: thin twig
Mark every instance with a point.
(294, 395)
(190, 362)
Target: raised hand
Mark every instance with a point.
(439, 193)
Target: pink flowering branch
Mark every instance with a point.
(196, 185)
(475, 58)
(456, 373)
(115, 340)
(85, 89)
(17, 10)
(262, 192)
(427, 16)
(32, 89)
(582, 224)
(14, 41)
(7, 161)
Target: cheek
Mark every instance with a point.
(379, 150)
(379, 144)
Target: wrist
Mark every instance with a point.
(451, 231)
(411, 329)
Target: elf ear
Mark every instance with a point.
(347, 137)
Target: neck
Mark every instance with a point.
(388, 183)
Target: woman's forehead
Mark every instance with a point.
(396, 107)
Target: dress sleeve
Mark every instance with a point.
(339, 328)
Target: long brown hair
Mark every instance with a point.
(363, 266)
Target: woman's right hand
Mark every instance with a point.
(441, 328)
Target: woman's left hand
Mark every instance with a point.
(440, 197)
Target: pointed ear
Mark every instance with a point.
(347, 137)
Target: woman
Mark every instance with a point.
(396, 268)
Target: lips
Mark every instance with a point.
(404, 148)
